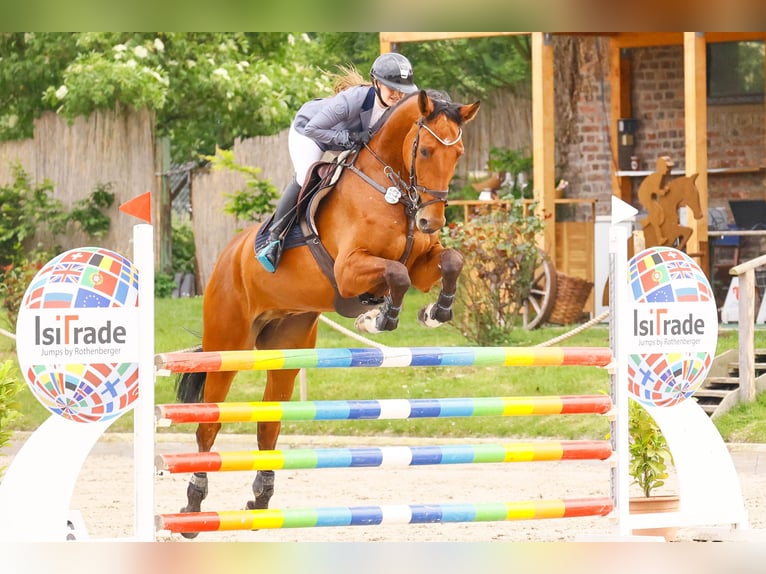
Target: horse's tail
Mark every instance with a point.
(190, 386)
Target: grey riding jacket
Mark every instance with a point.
(328, 121)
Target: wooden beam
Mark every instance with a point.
(543, 119)
(648, 39)
(621, 106)
(695, 135)
(394, 37)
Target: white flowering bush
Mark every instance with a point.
(206, 89)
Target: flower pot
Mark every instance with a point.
(643, 505)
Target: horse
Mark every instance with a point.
(682, 192)
(379, 224)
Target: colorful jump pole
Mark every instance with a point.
(263, 360)
(383, 409)
(392, 456)
(383, 515)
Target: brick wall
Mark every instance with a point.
(735, 132)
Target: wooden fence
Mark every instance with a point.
(115, 148)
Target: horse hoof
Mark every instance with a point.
(424, 317)
(188, 535)
(366, 322)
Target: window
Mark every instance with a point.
(735, 72)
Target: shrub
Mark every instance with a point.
(16, 279)
(163, 285)
(258, 196)
(183, 247)
(89, 213)
(10, 385)
(649, 452)
(27, 208)
(500, 254)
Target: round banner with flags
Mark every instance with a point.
(674, 326)
(77, 334)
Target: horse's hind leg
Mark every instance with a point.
(215, 390)
(292, 332)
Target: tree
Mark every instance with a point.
(206, 89)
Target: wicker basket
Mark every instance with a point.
(571, 295)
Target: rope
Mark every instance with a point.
(575, 331)
(7, 334)
(351, 334)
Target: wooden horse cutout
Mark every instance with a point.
(662, 225)
(380, 224)
(661, 199)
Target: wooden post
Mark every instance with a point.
(620, 79)
(695, 130)
(747, 336)
(543, 135)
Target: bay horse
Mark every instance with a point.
(379, 224)
(682, 192)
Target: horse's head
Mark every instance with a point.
(691, 196)
(430, 151)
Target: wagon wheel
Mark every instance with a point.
(542, 293)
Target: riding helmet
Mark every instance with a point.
(395, 71)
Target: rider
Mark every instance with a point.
(333, 124)
(654, 186)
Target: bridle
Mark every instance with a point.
(401, 191)
(408, 192)
(440, 194)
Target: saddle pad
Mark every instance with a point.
(294, 237)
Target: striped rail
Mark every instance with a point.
(383, 456)
(383, 409)
(382, 515)
(265, 360)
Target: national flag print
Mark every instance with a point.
(57, 300)
(75, 256)
(66, 273)
(99, 280)
(86, 298)
(652, 278)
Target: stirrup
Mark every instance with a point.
(272, 250)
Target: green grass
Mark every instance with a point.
(179, 325)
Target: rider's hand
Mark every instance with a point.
(359, 138)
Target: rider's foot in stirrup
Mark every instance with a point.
(270, 255)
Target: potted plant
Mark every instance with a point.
(649, 460)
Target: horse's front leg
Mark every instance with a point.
(386, 317)
(435, 314)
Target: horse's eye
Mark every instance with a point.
(424, 152)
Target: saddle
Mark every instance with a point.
(320, 182)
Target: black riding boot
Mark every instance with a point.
(271, 253)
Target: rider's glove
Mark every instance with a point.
(358, 138)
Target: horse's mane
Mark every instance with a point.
(442, 105)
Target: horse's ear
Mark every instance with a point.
(468, 112)
(424, 103)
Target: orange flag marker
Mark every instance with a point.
(140, 207)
